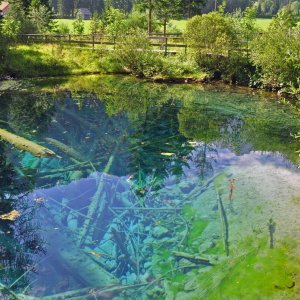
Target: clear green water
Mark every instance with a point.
(137, 203)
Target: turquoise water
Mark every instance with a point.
(154, 191)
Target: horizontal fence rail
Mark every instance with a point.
(167, 44)
(164, 43)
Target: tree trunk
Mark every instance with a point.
(165, 26)
(189, 9)
(150, 17)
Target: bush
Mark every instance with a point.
(63, 29)
(41, 18)
(96, 25)
(136, 56)
(3, 52)
(78, 26)
(211, 32)
(114, 21)
(216, 39)
(276, 51)
(178, 67)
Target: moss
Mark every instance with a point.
(195, 231)
(295, 200)
(218, 248)
(188, 212)
(164, 253)
(258, 209)
(177, 283)
(219, 182)
(259, 274)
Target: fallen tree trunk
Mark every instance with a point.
(96, 200)
(193, 258)
(25, 144)
(79, 263)
(66, 149)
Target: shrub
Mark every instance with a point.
(276, 51)
(96, 25)
(211, 32)
(41, 18)
(63, 28)
(78, 26)
(114, 21)
(216, 41)
(136, 56)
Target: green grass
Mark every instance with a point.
(179, 25)
(173, 26)
(263, 23)
(27, 61)
(69, 23)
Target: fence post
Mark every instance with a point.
(114, 41)
(93, 37)
(166, 45)
(69, 38)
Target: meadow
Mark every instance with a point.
(174, 25)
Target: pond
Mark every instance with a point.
(152, 191)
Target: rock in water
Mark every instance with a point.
(160, 231)
(72, 222)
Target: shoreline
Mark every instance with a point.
(206, 81)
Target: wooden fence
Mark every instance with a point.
(166, 44)
(169, 44)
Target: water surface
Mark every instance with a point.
(156, 192)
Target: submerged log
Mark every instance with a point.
(84, 268)
(224, 223)
(120, 239)
(66, 149)
(193, 258)
(92, 293)
(97, 199)
(148, 208)
(25, 144)
(67, 295)
(8, 291)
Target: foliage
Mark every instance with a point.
(210, 38)
(36, 19)
(245, 24)
(165, 12)
(78, 26)
(41, 18)
(180, 67)
(137, 19)
(136, 56)
(276, 51)
(63, 28)
(192, 7)
(213, 32)
(3, 51)
(268, 8)
(114, 21)
(96, 25)
(16, 21)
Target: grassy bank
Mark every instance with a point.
(43, 60)
(27, 61)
